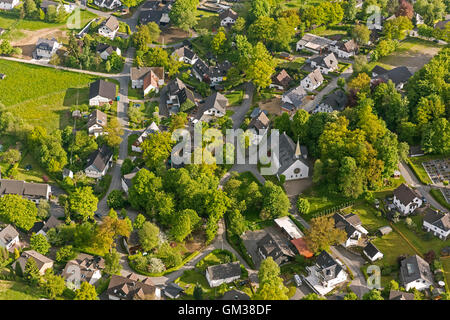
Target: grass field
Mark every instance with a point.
(207, 20)
(15, 290)
(446, 266)
(439, 197)
(40, 95)
(235, 97)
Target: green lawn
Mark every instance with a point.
(214, 258)
(207, 20)
(320, 201)
(15, 290)
(439, 197)
(41, 95)
(190, 279)
(446, 266)
(135, 94)
(418, 167)
(235, 97)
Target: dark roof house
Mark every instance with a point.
(103, 89)
(272, 245)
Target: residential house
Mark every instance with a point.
(345, 49)
(259, 123)
(337, 100)
(372, 252)
(99, 162)
(67, 173)
(214, 106)
(105, 50)
(400, 295)
(223, 273)
(235, 295)
(293, 99)
(97, 122)
(291, 159)
(288, 228)
(173, 291)
(159, 16)
(51, 223)
(84, 268)
(326, 274)
(147, 78)
(127, 180)
(227, 18)
(129, 288)
(46, 48)
(68, 8)
(101, 92)
(43, 263)
(9, 238)
(313, 43)
(406, 199)
(177, 94)
(437, 223)
(255, 113)
(108, 4)
(415, 272)
(109, 28)
(281, 80)
(28, 190)
(200, 70)
(352, 226)
(419, 19)
(186, 55)
(326, 64)
(313, 80)
(153, 128)
(8, 4)
(272, 245)
(218, 73)
(399, 76)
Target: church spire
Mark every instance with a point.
(298, 152)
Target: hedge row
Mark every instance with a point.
(416, 172)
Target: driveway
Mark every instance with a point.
(353, 261)
(240, 112)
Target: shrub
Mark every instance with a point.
(116, 199)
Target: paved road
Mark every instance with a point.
(240, 112)
(353, 261)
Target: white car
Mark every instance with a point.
(297, 279)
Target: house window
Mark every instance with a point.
(297, 170)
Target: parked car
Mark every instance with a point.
(297, 279)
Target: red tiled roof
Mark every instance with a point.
(302, 247)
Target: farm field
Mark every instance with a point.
(47, 96)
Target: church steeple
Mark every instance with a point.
(298, 152)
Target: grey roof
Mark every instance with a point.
(328, 266)
(379, 70)
(224, 271)
(184, 52)
(345, 223)
(405, 194)
(287, 152)
(415, 268)
(128, 178)
(235, 295)
(177, 87)
(371, 250)
(397, 75)
(52, 222)
(220, 70)
(101, 47)
(272, 245)
(329, 61)
(256, 112)
(441, 24)
(8, 234)
(103, 89)
(440, 220)
(46, 44)
(214, 101)
(348, 46)
(87, 265)
(97, 117)
(337, 100)
(201, 67)
(173, 290)
(99, 158)
(400, 295)
(296, 96)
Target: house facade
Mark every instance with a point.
(227, 18)
(372, 252)
(352, 226)
(84, 268)
(46, 48)
(97, 122)
(109, 28)
(437, 223)
(153, 128)
(314, 43)
(326, 64)
(8, 4)
(108, 4)
(406, 200)
(9, 237)
(186, 55)
(130, 288)
(99, 162)
(345, 49)
(313, 80)
(147, 78)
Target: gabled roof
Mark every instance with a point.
(328, 266)
(102, 47)
(415, 268)
(184, 52)
(397, 75)
(314, 42)
(342, 223)
(379, 70)
(201, 67)
(282, 78)
(215, 101)
(400, 295)
(129, 289)
(8, 234)
(20, 187)
(224, 271)
(97, 117)
(439, 220)
(39, 258)
(287, 156)
(371, 250)
(329, 61)
(337, 100)
(46, 44)
(348, 46)
(295, 96)
(99, 158)
(112, 23)
(405, 194)
(138, 73)
(103, 89)
(274, 246)
(228, 13)
(260, 122)
(315, 77)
